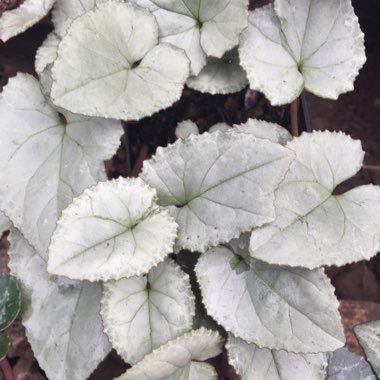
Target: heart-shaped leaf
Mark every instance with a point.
(314, 227)
(212, 198)
(142, 313)
(62, 151)
(252, 362)
(315, 44)
(10, 300)
(280, 308)
(178, 359)
(134, 77)
(61, 317)
(132, 233)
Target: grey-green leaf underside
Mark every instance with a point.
(316, 44)
(61, 317)
(178, 359)
(142, 313)
(64, 152)
(252, 362)
(10, 300)
(280, 308)
(314, 227)
(369, 338)
(113, 230)
(212, 198)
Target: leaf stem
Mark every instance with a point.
(143, 154)
(294, 105)
(7, 370)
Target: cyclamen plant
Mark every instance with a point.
(106, 263)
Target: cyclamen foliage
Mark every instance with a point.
(97, 260)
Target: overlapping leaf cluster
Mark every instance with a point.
(258, 206)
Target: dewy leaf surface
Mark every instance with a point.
(178, 359)
(313, 227)
(112, 230)
(200, 27)
(280, 308)
(369, 338)
(16, 21)
(39, 146)
(133, 76)
(218, 185)
(142, 313)
(61, 317)
(316, 44)
(10, 300)
(252, 362)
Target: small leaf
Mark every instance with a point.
(62, 151)
(218, 185)
(16, 21)
(200, 27)
(61, 317)
(220, 75)
(186, 128)
(132, 233)
(280, 308)
(252, 362)
(177, 359)
(322, 51)
(314, 227)
(369, 338)
(4, 344)
(10, 300)
(133, 76)
(142, 313)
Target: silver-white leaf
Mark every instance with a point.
(316, 44)
(178, 359)
(218, 185)
(133, 76)
(252, 362)
(113, 230)
(142, 313)
(61, 317)
(40, 146)
(5, 223)
(186, 128)
(314, 227)
(280, 308)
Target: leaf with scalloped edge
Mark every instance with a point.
(10, 300)
(322, 51)
(142, 313)
(61, 317)
(220, 75)
(62, 151)
(252, 362)
(369, 338)
(133, 77)
(132, 233)
(211, 196)
(280, 308)
(314, 227)
(179, 359)
(16, 21)
(200, 27)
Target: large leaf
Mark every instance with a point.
(316, 44)
(276, 307)
(134, 77)
(10, 300)
(252, 362)
(218, 185)
(142, 313)
(16, 21)
(61, 317)
(4, 344)
(369, 338)
(178, 359)
(200, 27)
(132, 233)
(46, 158)
(314, 227)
